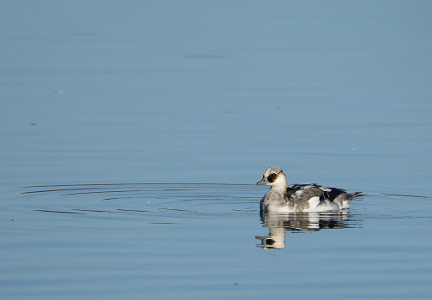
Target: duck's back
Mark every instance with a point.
(313, 197)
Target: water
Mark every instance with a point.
(133, 133)
(202, 240)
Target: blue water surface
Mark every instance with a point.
(132, 134)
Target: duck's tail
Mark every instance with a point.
(348, 198)
(352, 196)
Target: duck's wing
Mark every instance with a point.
(303, 191)
(312, 195)
(314, 190)
(303, 196)
(330, 193)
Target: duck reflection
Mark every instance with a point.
(278, 224)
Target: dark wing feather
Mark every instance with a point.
(315, 190)
(331, 193)
(308, 191)
(293, 188)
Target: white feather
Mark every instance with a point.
(325, 189)
(313, 202)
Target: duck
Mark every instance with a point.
(283, 198)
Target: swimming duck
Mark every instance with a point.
(300, 197)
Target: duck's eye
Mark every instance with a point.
(269, 242)
(272, 177)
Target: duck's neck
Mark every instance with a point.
(279, 189)
(279, 186)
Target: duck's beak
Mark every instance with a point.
(262, 182)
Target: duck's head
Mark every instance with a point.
(274, 177)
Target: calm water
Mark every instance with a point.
(132, 135)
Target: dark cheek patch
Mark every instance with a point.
(269, 242)
(271, 177)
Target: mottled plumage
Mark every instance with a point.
(300, 197)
